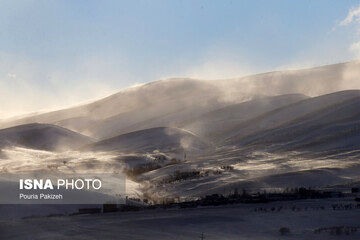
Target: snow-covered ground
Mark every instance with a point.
(220, 171)
(243, 221)
(227, 169)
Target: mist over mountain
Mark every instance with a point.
(172, 102)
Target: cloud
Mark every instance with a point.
(353, 16)
(355, 47)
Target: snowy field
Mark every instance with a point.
(220, 171)
(244, 221)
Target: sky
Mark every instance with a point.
(57, 53)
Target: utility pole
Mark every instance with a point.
(202, 237)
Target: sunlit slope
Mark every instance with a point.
(135, 98)
(42, 136)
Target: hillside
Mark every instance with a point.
(331, 128)
(149, 140)
(229, 116)
(282, 115)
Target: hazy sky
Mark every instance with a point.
(57, 53)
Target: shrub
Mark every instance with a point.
(140, 169)
(227, 167)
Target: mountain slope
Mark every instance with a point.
(149, 140)
(331, 128)
(229, 116)
(42, 137)
(282, 115)
(164, 114)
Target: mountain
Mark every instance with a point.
(166, 103)
(224, 118)
(279, 116)
(148, 140)
(116, 114)
(259, 132)
(42, 137)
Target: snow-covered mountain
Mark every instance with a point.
(118, 113)
(332, 127)
(216, 121)
(270, 130)
(174, 101)
(283, 115)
